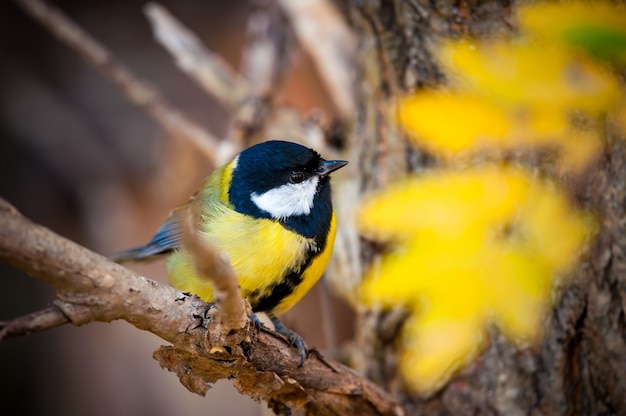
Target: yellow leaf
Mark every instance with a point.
(447, 202)
(397, 280)
(552, 18)
(471, 247)
(520, 292)
(598, 27)
(536, 75)
(438, 346)
(452, 124)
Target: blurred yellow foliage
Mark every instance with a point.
(485, 245)
(540, 75)
(600, 29)
(527, 92)
(452, 125)
(470, 246)
(428, 115)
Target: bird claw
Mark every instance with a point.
(293, 338)
(303, 350)
(255, 321)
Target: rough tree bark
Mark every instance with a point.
(579, 367)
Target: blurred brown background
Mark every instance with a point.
(77, 157)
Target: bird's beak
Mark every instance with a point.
(329, 166)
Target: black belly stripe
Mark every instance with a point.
(316, 226)
(286, 286)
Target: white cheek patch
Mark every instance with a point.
(287, 200)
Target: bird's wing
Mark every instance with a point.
(167, 238)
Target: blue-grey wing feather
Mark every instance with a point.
(165, 240)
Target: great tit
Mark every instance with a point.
(270, 211)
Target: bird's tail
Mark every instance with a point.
(167, 239)
(146, 252)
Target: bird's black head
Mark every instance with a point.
(286, 182)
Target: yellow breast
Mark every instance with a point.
(261, 251)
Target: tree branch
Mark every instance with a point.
(254, 117)
(323, 33)
(266, 57)
(232, 314)
(137, 91)
(205, 67)
(92, 288)
(34, 322)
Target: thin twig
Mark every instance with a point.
(210, 263)
(323, 33)
(202, 65)
(34, 322)
(137, 91)
(265, 59)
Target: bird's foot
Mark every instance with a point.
(255, 321)
(293, 337)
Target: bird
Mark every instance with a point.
(269, 210)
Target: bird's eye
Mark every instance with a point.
(296, 177)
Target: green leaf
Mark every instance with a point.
(602, 41)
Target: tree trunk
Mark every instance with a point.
(579, 366)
